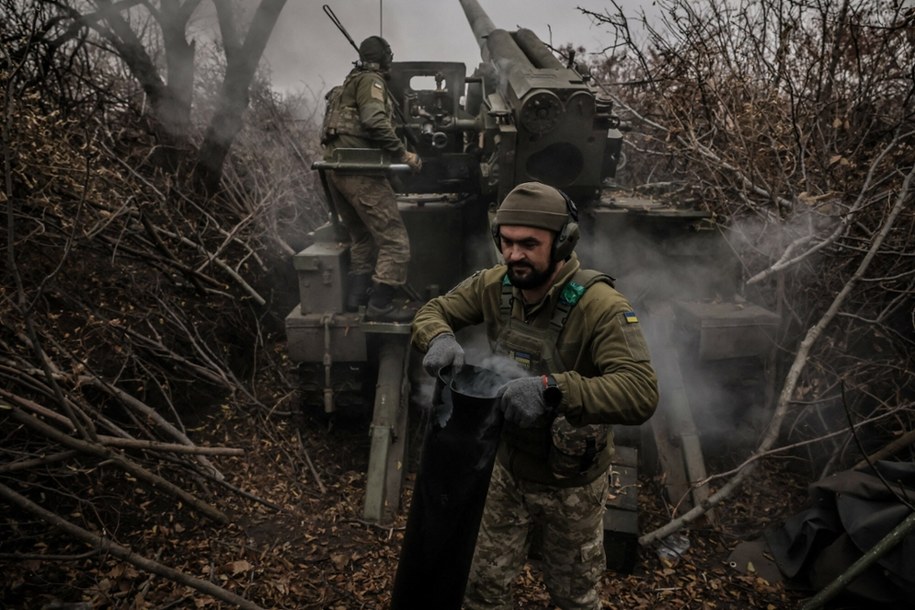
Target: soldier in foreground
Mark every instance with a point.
(359, 115)
(589, 367)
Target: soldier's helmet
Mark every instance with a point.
(376, 49)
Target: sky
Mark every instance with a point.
(307, 52)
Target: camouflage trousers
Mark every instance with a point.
(570, 521)
(379, 242)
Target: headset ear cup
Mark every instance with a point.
(565, 241)
(568, 235)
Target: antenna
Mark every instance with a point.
(333, 17)
(408, 132)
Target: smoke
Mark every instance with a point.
(504, 367)
(658, 260)
(659, 264)
(483, 377)
(759, 241)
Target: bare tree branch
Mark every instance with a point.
(106, 545)
(903, 199)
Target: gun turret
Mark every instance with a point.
(541, 119)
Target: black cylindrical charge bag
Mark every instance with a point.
(459, 450)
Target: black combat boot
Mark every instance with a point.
(358, 295)
(381, 307)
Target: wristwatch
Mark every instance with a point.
(552, 395)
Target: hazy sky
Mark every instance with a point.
(307, 51)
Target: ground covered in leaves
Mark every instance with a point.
(359, 576)
(302, 542)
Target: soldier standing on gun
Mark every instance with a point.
(359, 115)
(581, 340)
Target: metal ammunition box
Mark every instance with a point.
(726, 330)
(621, 516)
(322, 269)
(309, 337)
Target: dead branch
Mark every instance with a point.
(23, 374)
(126, 443)
(153, 415)
(227, 235)
(786, 261)
(42, 410)
(819, 439)
(229, 238)
(219, 263)
(311, 466)
(154, 236)
(79, 420)
(107, 245)
(888, 450)
(157, 346)
(61, 456)
(106, 545)
(120, 460)
(151, 257)
(797, 367)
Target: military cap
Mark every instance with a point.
(533, 204)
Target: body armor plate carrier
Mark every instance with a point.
(569, 450)
(341, 119)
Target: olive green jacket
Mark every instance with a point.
(609, 377)
(366, 91)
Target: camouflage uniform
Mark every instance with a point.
(572, 551)
(360, 117)
(368, 210)
(601, 363)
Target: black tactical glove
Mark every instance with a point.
(524, 400)
(444, 350)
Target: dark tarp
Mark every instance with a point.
(850, 512)
(459, 450)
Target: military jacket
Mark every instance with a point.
(359, 115)
(608, 377)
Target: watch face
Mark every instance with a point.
(552, 395)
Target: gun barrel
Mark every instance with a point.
(546, 114)
(497, 46)
(479, 21)
(536, 50)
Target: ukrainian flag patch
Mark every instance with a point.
(523, 359)
(631, 317)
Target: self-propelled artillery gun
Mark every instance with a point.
(521, 115)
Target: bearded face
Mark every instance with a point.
(527, 277)
(528, 254)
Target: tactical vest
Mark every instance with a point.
(569, 450)
(340, 118)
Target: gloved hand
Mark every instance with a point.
(413, 160)
(522, 401)
(443, 350)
